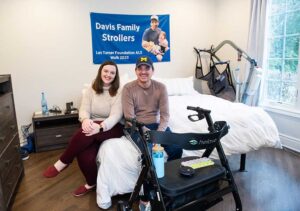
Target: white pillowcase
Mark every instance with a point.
(178, 86)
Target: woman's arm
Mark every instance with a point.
(115, 115)
(85, 107)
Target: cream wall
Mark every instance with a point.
(46, 44)
(232, 23)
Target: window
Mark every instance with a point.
(282, 75)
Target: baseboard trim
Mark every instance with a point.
(290, 142)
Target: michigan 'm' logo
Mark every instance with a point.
(143, 59)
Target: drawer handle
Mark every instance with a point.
(58, 136)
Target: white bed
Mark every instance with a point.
(251, 128)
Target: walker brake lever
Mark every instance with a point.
(199, 117)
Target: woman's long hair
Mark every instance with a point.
(98, 83)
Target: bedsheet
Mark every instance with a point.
(250, 129)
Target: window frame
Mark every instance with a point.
(281, 107)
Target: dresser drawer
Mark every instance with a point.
(7, 131)
(6, 107)
(8, 125)
(54, 135)
(9, 185)
(9, 158)
(6, 102)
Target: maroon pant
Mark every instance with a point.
(85, 148)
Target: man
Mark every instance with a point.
(150, 36)
(147, 101)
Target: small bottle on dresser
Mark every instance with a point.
(44, 104)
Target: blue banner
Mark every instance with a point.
(124, 38)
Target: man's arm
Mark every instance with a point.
(147, 45)
(164, 109)
(127, 103)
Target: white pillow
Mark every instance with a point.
(178, 86)
(175, 86)
(124, 79)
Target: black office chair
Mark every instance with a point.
(178, 191)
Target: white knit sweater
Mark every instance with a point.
(101, 107)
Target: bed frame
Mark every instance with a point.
(243, 162)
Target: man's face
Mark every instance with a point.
(144, 73)
(154, 24)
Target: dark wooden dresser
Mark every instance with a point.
(11, 166)
(53, 131)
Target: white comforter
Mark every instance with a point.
(250, 129)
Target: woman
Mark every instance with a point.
(100, 113)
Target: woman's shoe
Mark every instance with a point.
(51, 171)
(82, 190)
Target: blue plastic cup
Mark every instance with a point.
(158, 160)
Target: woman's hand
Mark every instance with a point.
(87, 125)
(96, 129)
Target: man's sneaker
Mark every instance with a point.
(24, 154)
(145, 206)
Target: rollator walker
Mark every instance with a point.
(176, 191)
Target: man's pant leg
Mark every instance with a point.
(173, 151)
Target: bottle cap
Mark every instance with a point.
(157, 147)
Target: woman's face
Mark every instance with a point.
(108, 74)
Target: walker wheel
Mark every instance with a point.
(122, 206)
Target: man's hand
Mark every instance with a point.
(103, 127)
(145, 129)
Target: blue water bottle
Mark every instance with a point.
(158, 160)
(44, 105)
